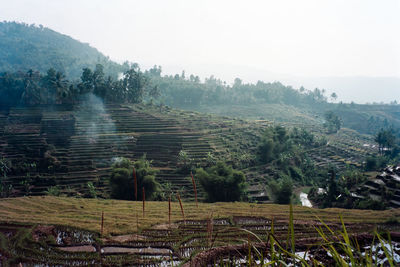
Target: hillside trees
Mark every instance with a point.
(179, 91)
(222, 183)
(122, 179)
(134, 85)
(55, 85)
(340, 188)
(386, 140)
(275, 141)
(283, 151)
(32, 93)
(333, 96)
(282, 191)
(333, 122)
(33, 88)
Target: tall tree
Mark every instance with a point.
(332, 122)
(87, 84)
(134, 84)
(99, 86)
(386, 140)
(334, 96)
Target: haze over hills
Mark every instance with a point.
(357, 89)
(25, 47)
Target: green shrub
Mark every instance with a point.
(376, 163)
(369, 204)
(185, 162)
(222, 183)
(370, 164)
(122, 181)
(332, 122)
(92, 190)
(281, 191)
(53, 191)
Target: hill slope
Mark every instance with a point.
(24, 47)
(69, 146)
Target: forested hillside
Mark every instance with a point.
(24, 47)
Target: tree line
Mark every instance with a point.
(182, 91)
(34, 88)
(133, 85)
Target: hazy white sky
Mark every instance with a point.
(267, 39)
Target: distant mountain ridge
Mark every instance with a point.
(24, 47)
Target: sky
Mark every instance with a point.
(316, 43)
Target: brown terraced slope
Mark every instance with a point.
(69, 146)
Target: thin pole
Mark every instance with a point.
(169, 210)
(194, 188)
(180, 203)
(144, 199)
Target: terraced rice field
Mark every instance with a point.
(347, 147)
(81, 142)
(37, 230)
(74, 145)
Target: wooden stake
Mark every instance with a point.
(180, 203)
(144, 199)
(195, 190)
(169, 210)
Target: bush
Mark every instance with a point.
(369, 204)
(274, 141)
(122, 181)
(53, 191)
(376, 163)
(370, 164)
(222, 183)
(185, 162)
(266, 150)
(282, 191)
(332, 122)
(92, 192)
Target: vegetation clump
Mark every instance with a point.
(34, 88)
(5, 188)
(388, 148)
(122, 179)
(274, 142)
(281, 191)
(222, 183)
(332, 122)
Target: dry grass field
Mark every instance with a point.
(122, 217)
